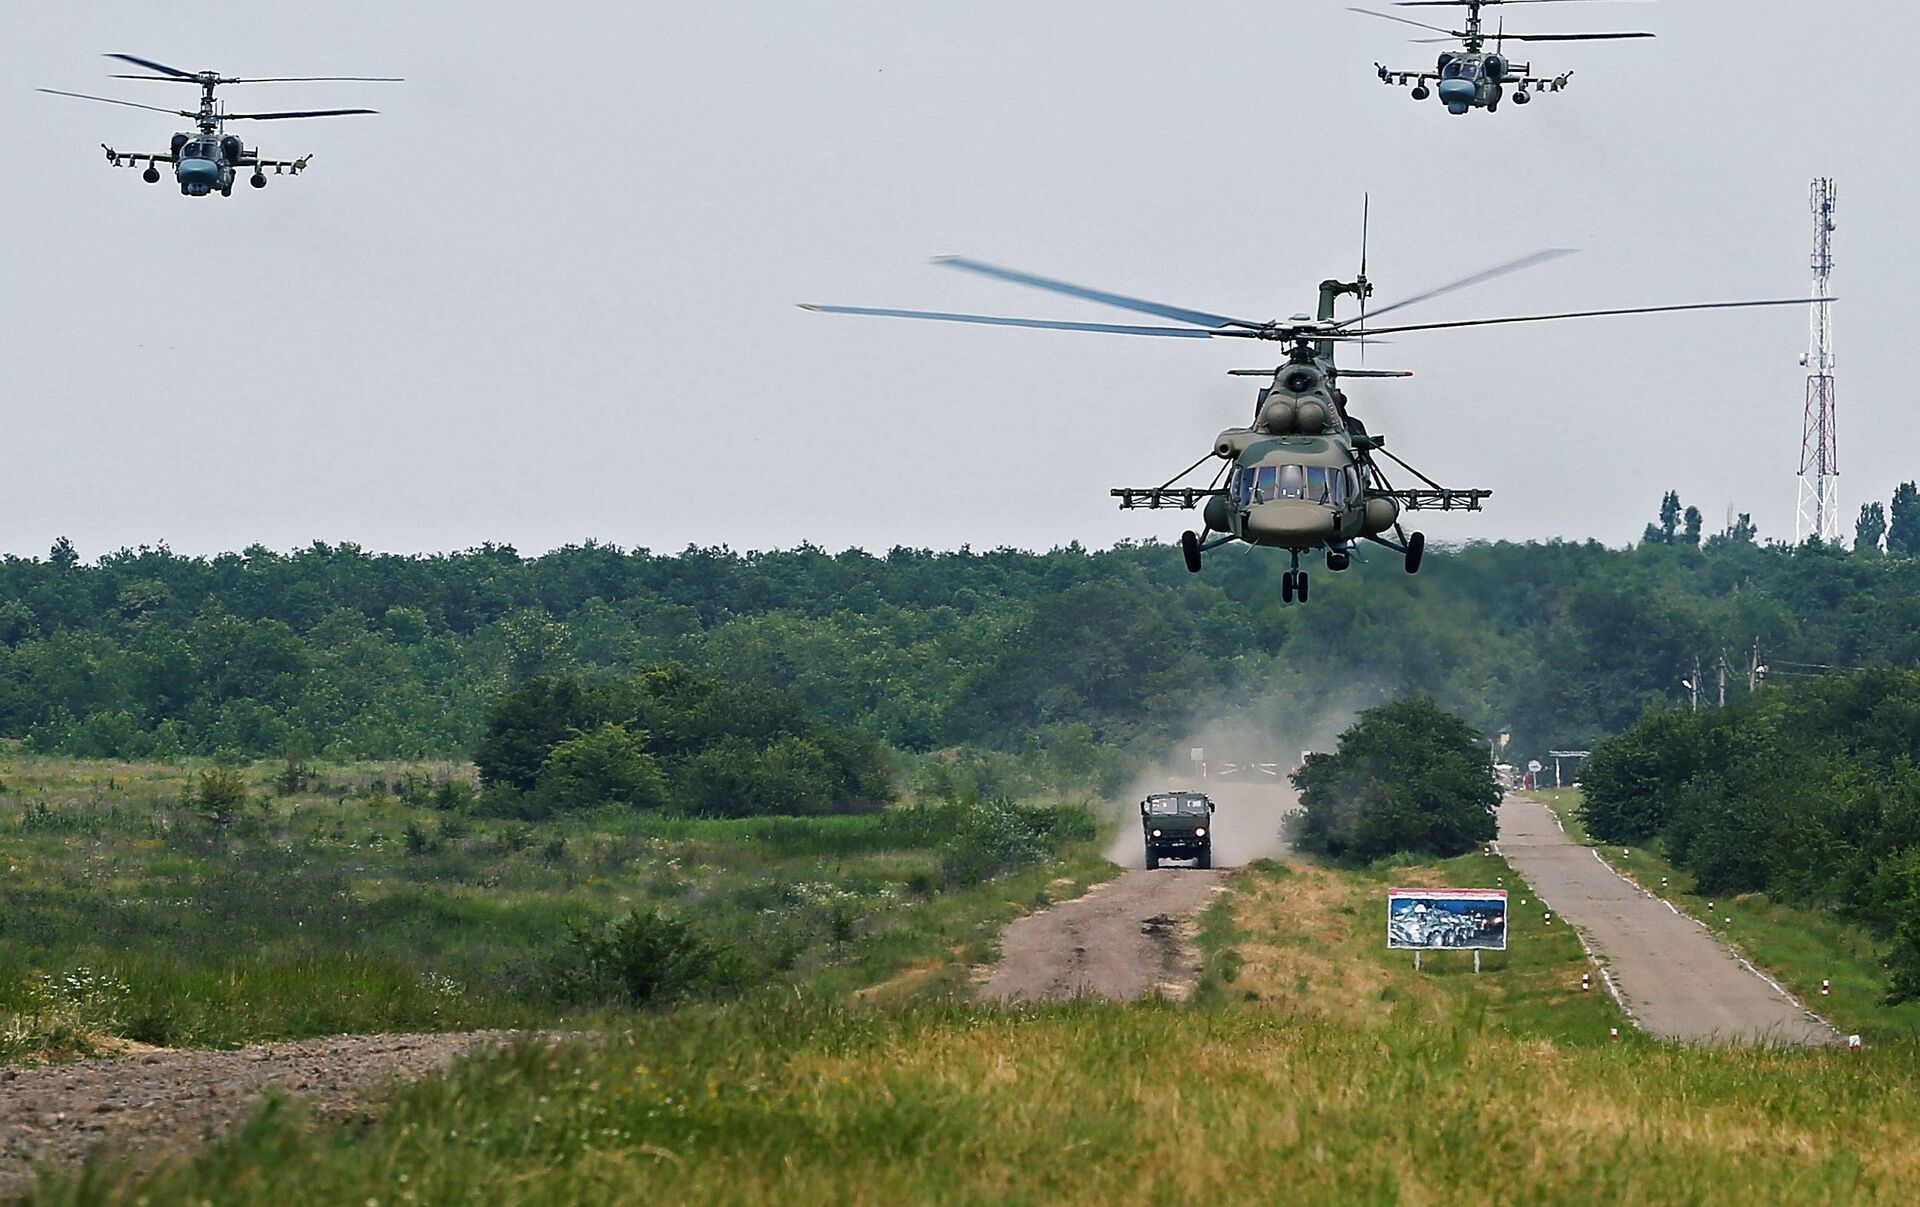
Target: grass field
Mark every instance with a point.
(1315, 1069)
(355, 904)
(1799, 947)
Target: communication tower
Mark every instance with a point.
(1819, 441)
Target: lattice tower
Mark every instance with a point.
(1819, 513)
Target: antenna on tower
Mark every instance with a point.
(1819, 514)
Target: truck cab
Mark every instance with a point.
(1177, 825)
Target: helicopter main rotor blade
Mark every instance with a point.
(269, 117)
(107, 100)
(1405, 21)
(1499, 3)
(150, 65)
(270, 79)
(321, 79)
(1031, 324)
(1178, 314)
(1595, 314)
(1571, 37)
(1478, 278)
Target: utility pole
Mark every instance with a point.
(1723, 678)
(1819, 512)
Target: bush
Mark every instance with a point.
(991, 838)
(607, 765)
(1407, 776)
(219, 796)
(675, 737)
(646, 958)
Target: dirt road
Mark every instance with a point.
(1133, 936)
(161, 1104)
(1675, 978)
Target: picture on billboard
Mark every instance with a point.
(1426, 919)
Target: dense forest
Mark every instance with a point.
(1809, 793)
(335, 651)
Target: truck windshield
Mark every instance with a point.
(1177, 806)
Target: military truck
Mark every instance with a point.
(1178, 825)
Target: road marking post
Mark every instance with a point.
(1853, 1043)
(1826, 988)
(1616, 1034)
(1586, 982)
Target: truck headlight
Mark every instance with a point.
(1156, 833)
(1200, 833)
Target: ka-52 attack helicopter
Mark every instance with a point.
(1474, 77)
(205, 161)
(1306, 474)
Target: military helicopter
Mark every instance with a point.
(1306, 474)
(206, 161)
(1473, 77)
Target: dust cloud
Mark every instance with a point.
(1252, 803)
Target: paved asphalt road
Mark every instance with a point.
(1675, 978)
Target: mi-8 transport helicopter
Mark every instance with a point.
(1306, 475)
(206, 161)
(1474, 77)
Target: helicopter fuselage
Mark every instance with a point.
(1296, 480)
(204, 163)
(1472, 81)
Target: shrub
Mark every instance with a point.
(648, 957)
(607, 765)
(1407, 776)
(295, 776)
(219, 796)
(991, 838)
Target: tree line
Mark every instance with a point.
(335, 651)
(1808, 792)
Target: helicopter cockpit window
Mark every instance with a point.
(1318, 491)
(1292, 481)
(1263, 480)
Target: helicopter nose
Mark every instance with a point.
(1282, 521)
(199, 171)
(1456, 95)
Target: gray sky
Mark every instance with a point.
(549, 293)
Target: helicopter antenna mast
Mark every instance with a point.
(1819, 513)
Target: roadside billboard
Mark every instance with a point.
(1446, 919)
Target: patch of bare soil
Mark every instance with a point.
(158, 1104)
(1128, 938)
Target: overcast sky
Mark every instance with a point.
(548, 293)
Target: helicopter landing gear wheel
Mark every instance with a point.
(1190, 550)
(226, 190)
(1300, 585)
(1286, 587)
(151, 175)
(1338, 561)
(1416, 549)
(1420, 93)
(1521, 98)
(257, 180)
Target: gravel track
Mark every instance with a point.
(159, 1104)
(1133, 936)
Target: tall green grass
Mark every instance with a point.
(814, 1100)
(342, 908)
